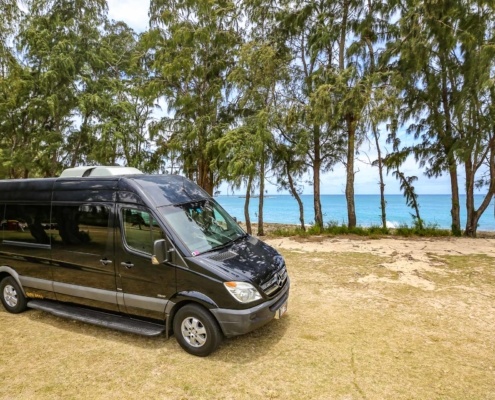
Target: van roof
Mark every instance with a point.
(154, 190)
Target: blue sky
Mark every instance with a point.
(135, 14)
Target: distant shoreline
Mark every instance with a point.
(270, 227)
(283, 209)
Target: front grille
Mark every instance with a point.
(277, 281)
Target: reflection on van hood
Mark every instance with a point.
(247, 259)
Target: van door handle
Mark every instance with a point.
(105, 261)
(127, 264)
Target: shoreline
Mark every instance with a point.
(281, 209)
(270, 227)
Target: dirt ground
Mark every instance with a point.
(368, 319)
(409, 257)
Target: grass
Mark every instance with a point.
(343, 338)
(335, 229)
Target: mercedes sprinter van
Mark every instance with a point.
(148, 254)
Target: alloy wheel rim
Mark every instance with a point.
(10, 296)
(194, 332)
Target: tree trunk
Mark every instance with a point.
(383, 203)
(380, 174)
(297, 197)
(246, 205)
(350, 122)
(316, 179)
(204, 177)
(470, 212)
(262, 196)
(349, 187)
(473, 215)
(447, 141)
(419, 221)
(455, 210)
(343, 34)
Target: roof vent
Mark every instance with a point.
(98, 171)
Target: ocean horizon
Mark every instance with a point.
(283, 208)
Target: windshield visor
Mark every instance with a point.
(202, 226)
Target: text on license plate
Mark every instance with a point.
(281, 311)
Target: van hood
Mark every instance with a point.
(247, 259)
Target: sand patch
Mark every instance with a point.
(410, 258)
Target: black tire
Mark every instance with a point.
(11, 296)
(196, 330)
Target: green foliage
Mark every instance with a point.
(444, 70)
(336, 229)
(333, 228)
(287, 232)
(193, 45)
(253, 91)
(410, 195)
(430, 230)
(76, 97)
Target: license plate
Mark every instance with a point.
(281, 311)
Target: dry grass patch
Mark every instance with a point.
(356, 329)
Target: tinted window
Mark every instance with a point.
(27, 223)
(82, 228)
(140, 230)
(2, 219)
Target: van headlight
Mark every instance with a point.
(242, 291)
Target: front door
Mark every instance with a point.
(146, 287)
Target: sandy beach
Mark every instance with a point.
(410, 256)
(368, 318)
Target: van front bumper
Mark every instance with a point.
(239, 322)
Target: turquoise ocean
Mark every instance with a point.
(434, 209)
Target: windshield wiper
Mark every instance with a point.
(244, 235)
(223, 245)
(217, 247)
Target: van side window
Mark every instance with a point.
(28, 224)
(82, 228)
(3, 221)
(140, 230)
(2, 211)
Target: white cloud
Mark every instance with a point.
(133, 12)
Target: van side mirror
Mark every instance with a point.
(161, 252)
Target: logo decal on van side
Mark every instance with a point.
(34, 295)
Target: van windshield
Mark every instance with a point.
(202, 225)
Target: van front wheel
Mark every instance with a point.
(11, 295)
(196, 330)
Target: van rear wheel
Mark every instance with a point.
(11, 296)
(196, 330)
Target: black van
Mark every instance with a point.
(148, 254)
